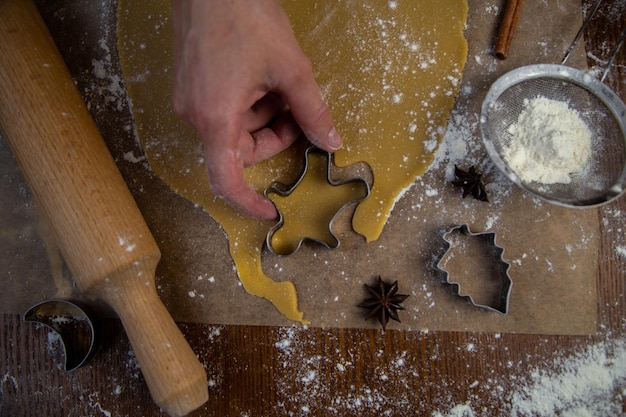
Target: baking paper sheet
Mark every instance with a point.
(553, 251)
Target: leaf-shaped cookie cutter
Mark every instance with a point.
(502, 306)
(285, 190)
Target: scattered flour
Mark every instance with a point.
(106, 90)
(94, 405)
(130, 157)
(589, 382)
(548, 143)
(461, 410)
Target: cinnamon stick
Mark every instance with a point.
(507, 27)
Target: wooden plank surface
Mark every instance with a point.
(263, 371)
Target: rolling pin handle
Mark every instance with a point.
(100, 231)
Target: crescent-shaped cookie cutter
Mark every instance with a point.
(502, 304)
(74, 323)
(285, 190)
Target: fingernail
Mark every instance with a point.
(334, 140)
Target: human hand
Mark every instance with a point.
(238, 67)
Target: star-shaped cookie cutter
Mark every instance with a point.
(502, 305)
(285, 190)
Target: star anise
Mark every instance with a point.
(471, 183)
(384, 301)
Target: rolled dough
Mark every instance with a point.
(390, 72)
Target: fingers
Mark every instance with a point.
(263, 111)
(230, 148)
(301, 92)
(227, 183)
(225, 166)
(271, 140)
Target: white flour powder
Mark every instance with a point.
(548, 143)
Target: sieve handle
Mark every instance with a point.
(580, 32)
(619, 44)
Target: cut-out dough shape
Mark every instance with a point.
(390, 72)
(309, 207)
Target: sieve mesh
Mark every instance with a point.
(604, 177)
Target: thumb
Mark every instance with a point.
(310, 111)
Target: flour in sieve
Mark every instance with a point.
(548, 143)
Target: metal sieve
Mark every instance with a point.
(604, 176)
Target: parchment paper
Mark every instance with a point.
(552, 250)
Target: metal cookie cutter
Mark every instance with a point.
(285, 190)
(74, 323)
(501, 304)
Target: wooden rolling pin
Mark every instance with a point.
(101, 233)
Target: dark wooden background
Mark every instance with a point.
(263, 371)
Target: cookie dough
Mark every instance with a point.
(302, 220)
(390, 72)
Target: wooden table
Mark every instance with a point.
(262, 371)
